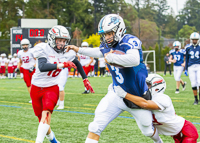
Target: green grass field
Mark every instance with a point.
(18, 123)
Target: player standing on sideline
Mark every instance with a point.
(10, 67)
(193, 64)
(132, 78)
(177, 57)
(64, 75)
(3, 65)
(164, 117)
(44, 88)
(85, 62)
(26, 63)
(15, 60)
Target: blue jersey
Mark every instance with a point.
(192, 55)
(178, 56)
(131, 79)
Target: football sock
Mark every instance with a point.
(156, 137)
(196, 97)
(88, 140)
(50, 136)
(11, 75)
(21, 75)
(15, 75)
(42, 131)
(61, 103)
(8, 75)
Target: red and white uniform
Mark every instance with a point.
(10, 66)
(15, 62)
(44, 89)
(85, 60)
(28, 61)
(168, 123)
(3, 62)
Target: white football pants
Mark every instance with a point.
(63, 79)
(194, 75)
(177, 72)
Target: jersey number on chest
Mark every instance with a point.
(196, 54)
(25, 59)
(119, 76)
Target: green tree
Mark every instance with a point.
(186, 31)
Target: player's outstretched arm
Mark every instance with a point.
(145, 104)
(84, 76)
(91, 52)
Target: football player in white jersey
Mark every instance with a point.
(177, 56)
(132, 73)
(164, 117)
(15, 60)
(193, 64)
(86, 62)
(3, 65)
(10, 67)
(50, 59)
(26, 62)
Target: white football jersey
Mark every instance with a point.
(15, 61)
(102, 62)
(166, 120)
(27, 58)
(3, 61)
(50, 78)
(84, 60)
(10, 63)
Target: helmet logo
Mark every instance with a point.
(113, 20)
(158, 81)
(53, 31)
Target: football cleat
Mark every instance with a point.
(195, 102)
(177, 91)
(86, 92)
(54, 139)
(60, 107)
(184, 86)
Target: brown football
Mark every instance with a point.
(118, 53)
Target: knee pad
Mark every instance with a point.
(194, 88)
(94, 128)
(147, 130)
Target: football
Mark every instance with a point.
(118, 53)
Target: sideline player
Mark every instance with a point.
(3, 65)
(44, 88)
(64, 75)
(164, 117)
(193, 64)
(15, 60)
(132, 78)
(86, 63)
(10, 67)
(177, 57)
(26, 63)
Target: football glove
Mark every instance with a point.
(88, 85)
(186, 73)
(31, 69)
(69, 64)
(120, 92)
(17, 69)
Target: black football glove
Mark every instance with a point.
(31, 69)
(17, 69)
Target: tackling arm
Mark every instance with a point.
(80, 68)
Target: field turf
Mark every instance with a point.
(18, 123)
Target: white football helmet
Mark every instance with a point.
(84, 44)
(156, 84)
(58, 31)
(25, 42)
(177, 43)
(3, 55)
(14, 55)
(193, 36)
(111, 22)
(10, 56)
